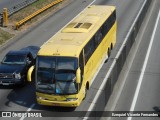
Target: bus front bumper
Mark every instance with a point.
(74, 103)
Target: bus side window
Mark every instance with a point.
(98, 37)
(112, 19)
(88, 50)
(109, 23)
(105, 28)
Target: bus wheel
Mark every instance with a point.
(111, 46)
(109, 52)
(85, 93)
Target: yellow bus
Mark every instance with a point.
(67, 63)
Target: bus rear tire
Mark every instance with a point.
(109, 52)
(85, 93)
(111, 46)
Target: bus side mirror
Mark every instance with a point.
(78, 76)
(29, 74)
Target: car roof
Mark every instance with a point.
(24, 51)
(33, 50)
(18, 52)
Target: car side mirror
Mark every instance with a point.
(78, 76)
(28, 62)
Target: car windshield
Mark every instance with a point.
(14, 59)
(56, 75)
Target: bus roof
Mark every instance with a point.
(71, 39)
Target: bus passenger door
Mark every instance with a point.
(81, 65)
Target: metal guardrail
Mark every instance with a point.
(18, 24)
(116, 66)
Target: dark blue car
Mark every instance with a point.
(15, 65)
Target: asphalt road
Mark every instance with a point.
(21, 99)
(143, 72)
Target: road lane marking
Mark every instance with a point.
(129, 64)
(113, 64)
(31, 107)
(144, 67)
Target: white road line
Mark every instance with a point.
(144, 67)
(130, 62)
(113, 64)
(30, 108)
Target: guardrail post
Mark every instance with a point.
(5, 17)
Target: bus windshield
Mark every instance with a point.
(56, 75)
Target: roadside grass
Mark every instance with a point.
(8, 32)
(4, 36)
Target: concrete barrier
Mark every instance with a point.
(115, 65)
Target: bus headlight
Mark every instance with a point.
(72, 99)
(18, 76)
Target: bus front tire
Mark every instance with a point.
(85, 93)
